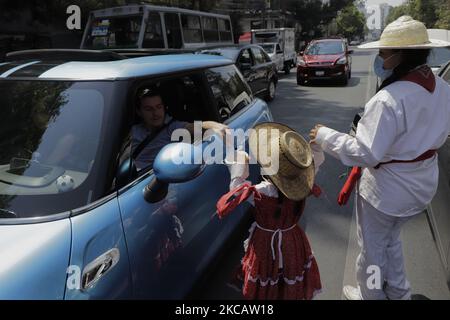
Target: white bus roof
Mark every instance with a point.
(272, 30)
(137, 9)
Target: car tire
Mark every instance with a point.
(349, 74)
(287, 68)
(344, 80)
(271, 90)
(301, 82)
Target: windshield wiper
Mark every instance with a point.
(6, 214)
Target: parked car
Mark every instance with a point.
(77, 220)
(325, 59)
(439, 209)
(256, 66)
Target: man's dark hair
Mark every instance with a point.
(148, 93)
(411, 59)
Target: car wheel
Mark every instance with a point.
(349, 74)
(301, 82)
(344, 80)
(271, 89)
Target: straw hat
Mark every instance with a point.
(295, 176)
(405, 33)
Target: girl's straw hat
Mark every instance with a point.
(295, 177)
(405, 33)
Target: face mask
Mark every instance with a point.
(379, 70)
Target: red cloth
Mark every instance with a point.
(259, 275)
(349, 186)
(228, 202)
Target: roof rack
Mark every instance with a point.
(64, 55)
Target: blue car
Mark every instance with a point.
(77, 219)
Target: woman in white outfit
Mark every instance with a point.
(393, 154)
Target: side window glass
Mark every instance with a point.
(153, 33)
(210, 29)
(446, 75)
(173, 30)
(266, 56)
(246, 58)
(224, 30)
(230, 91)
(191, 29)
(258, 55)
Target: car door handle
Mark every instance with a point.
(95, 270)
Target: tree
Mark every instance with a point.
(351, 22)
(433, 13)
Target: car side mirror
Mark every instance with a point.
(350, 51)
(245, 66)
(175, 163)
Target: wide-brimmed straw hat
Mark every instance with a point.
(405, 33)
(295, 175)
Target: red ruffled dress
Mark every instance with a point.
(278, 262)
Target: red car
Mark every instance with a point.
(325, 59)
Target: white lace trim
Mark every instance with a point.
(286, 280)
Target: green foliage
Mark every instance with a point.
(433, 13)
(351, 22)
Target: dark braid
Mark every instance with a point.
(411, 59)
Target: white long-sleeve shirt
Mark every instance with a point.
(400, 122)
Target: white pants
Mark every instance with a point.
(380, 267)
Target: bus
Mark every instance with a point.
(155, 28)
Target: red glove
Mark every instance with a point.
(349, 185)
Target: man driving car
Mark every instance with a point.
(156, 128)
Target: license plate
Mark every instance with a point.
(320, 73)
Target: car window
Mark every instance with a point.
(258, 55)
(278, 48)
(438, 57)
(210, 29)
(266, 56)
(245, 58)
(230, 91)
(446, 74)
(180, 102)
(114, 32)
(54, 142)
(325, 47)
(192, 30)
(153, 34)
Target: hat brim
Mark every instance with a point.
(299, 184)
(433, 43)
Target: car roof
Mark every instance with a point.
(109, 70)
(328, 40)
(231, 52)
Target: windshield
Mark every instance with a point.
(438, 57)
(50, 137)
(331, 47)
(269, 48)
(114, 33)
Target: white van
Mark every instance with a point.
(279, 44)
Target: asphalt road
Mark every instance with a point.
(330, 228)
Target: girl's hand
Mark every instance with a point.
(313, 133)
